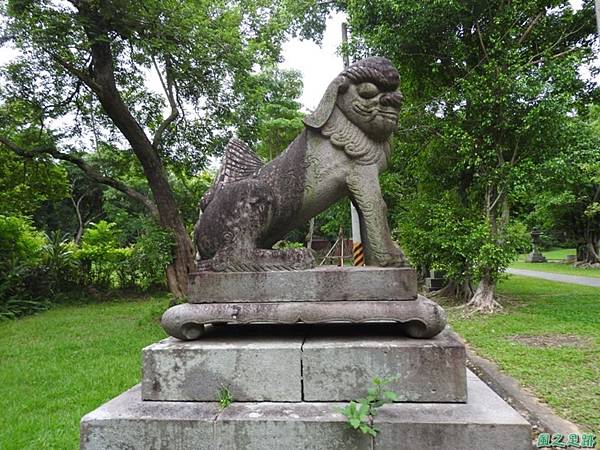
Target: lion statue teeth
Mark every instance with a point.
(343, 148)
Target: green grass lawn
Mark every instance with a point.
(554, 266)
(61, 364)
(565, 377)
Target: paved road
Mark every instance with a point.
(585, 281)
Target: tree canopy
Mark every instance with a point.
(489, 87)
(82, 74)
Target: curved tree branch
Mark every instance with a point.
(89, 171)
(168, 88)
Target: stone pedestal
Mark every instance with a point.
(292, 364)
(435, 281)
(485, 421)
(289, 381)
(321, 295)
(535, 257)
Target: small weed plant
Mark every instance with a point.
(224, 396)
(360, 413)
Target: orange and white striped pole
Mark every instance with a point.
(358, 253)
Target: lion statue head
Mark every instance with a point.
(366, 94)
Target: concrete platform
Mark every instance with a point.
(486, 421)
(261, 364)
(339, 363)
(305, 363)
(421, 318)
(325, 283)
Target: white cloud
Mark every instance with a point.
(318, 65)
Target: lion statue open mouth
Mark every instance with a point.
(340, 153)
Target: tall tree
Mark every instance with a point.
(567, 189)
(488, 85)
(82, 73)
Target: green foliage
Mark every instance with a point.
(442, 235)
(60, 266)
(152, 253)
(544, 310)
(21, 256)
(20, 242)
(101, 256)
(209, 52)
(286, 245)
(26, 183)
(106, 263)
(488, 88)
(278, 111)
(75, 358)
(224, 396)
(360, 413)
(37, 269)
(565, 203)
(329, 221)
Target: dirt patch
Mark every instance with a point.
(551, 340)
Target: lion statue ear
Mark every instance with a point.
(318, 118)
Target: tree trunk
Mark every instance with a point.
(483, 300)
(462, 291)
(105, 88)
(309, 236)
(80, 225)
(589, 253)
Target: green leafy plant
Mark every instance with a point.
(360, 413)
(224, 396)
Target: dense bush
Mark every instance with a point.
(36, 268)
(107, 262)
(21, 250)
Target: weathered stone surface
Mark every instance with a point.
(326, 283)
(535, 257)
(126, 422)
(254, 366)
(311, 363)
(286, 426)
(421, 318)
(486, 421)
(339, 364)
(341, 152)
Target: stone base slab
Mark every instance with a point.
(486, 421)
(305, 363)
(421, 318)
(535, 257)
(325, 283)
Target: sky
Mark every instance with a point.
(318, 65)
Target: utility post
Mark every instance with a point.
(358, 255)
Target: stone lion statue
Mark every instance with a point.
(340, 153)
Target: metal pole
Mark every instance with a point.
(598, 15)
(345, 41)
(358, 254)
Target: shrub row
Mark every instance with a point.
(36, 268)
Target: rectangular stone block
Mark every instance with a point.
(336, 362)
(340, 364)
(486, 421)
(252, 367)
(127, 422)
(325, 283)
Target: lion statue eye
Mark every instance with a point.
(367, 90)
